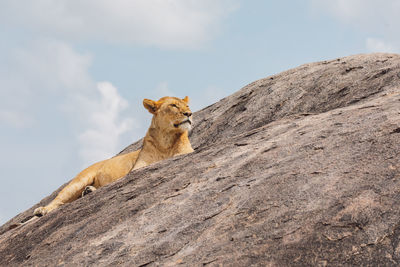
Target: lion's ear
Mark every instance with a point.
(150, 105)
(186, 99)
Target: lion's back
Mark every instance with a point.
(116, 168)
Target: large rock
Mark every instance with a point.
(300, 168)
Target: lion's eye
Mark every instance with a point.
(173, 105)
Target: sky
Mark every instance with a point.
(74, 73)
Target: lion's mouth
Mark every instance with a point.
(182, 122)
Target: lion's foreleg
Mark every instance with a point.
(68, 194)
(88, 189)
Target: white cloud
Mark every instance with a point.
(166, 23)
(30, 74)
(105, 125)
(58, 90)
(53, 65)
(41, 74)
(379, 19)
(376, 45)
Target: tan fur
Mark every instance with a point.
(166, 137)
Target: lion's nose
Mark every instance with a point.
(187, 114)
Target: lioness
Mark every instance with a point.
(166, 137)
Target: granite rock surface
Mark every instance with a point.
(301, 168)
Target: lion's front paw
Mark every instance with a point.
(39, 212)
(88, 189)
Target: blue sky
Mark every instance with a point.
(74, 73)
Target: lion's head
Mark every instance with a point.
(170, 113)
